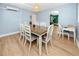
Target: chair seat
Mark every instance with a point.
(66, 33)
(44, 38)
(34, 37)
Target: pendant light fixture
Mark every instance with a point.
(36, 7)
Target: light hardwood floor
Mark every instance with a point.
(11, 46)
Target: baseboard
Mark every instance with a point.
(9, 34)
(77, 43)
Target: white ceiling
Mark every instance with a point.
(43, 6)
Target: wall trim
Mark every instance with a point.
(9, 34)
(77, 43)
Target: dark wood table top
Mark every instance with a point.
(38, 29)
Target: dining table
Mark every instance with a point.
(39, 31)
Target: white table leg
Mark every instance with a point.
(37, 42)
(40, 45)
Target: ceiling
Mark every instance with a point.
(43, 6)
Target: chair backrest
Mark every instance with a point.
(49, 32)
(21, 28)
(59, 27)
(27, 32)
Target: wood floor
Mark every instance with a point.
(11, 46)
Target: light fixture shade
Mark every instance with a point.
(55, 12)
(36, 7)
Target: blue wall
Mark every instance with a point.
(0, 19)
(9, 20)
(67, 15)
(25, 16)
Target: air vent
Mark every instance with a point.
(11, 8)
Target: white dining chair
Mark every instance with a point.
(61, 32)
(48, 37)
(28, 36)
(21, 31)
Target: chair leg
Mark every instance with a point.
(68, 36)
(25, 42)
(51, 43)
(59, 35)
(29, 48)
(23, 38)
(20, 37)
(37, 43)
(62, 36)
(46, 48)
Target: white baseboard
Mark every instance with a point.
(9, 34)
(77, 43)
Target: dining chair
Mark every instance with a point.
(21, 31)
(47, 38)
(70, 25)
(29, 37)
(62, 33)
(59, 30)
